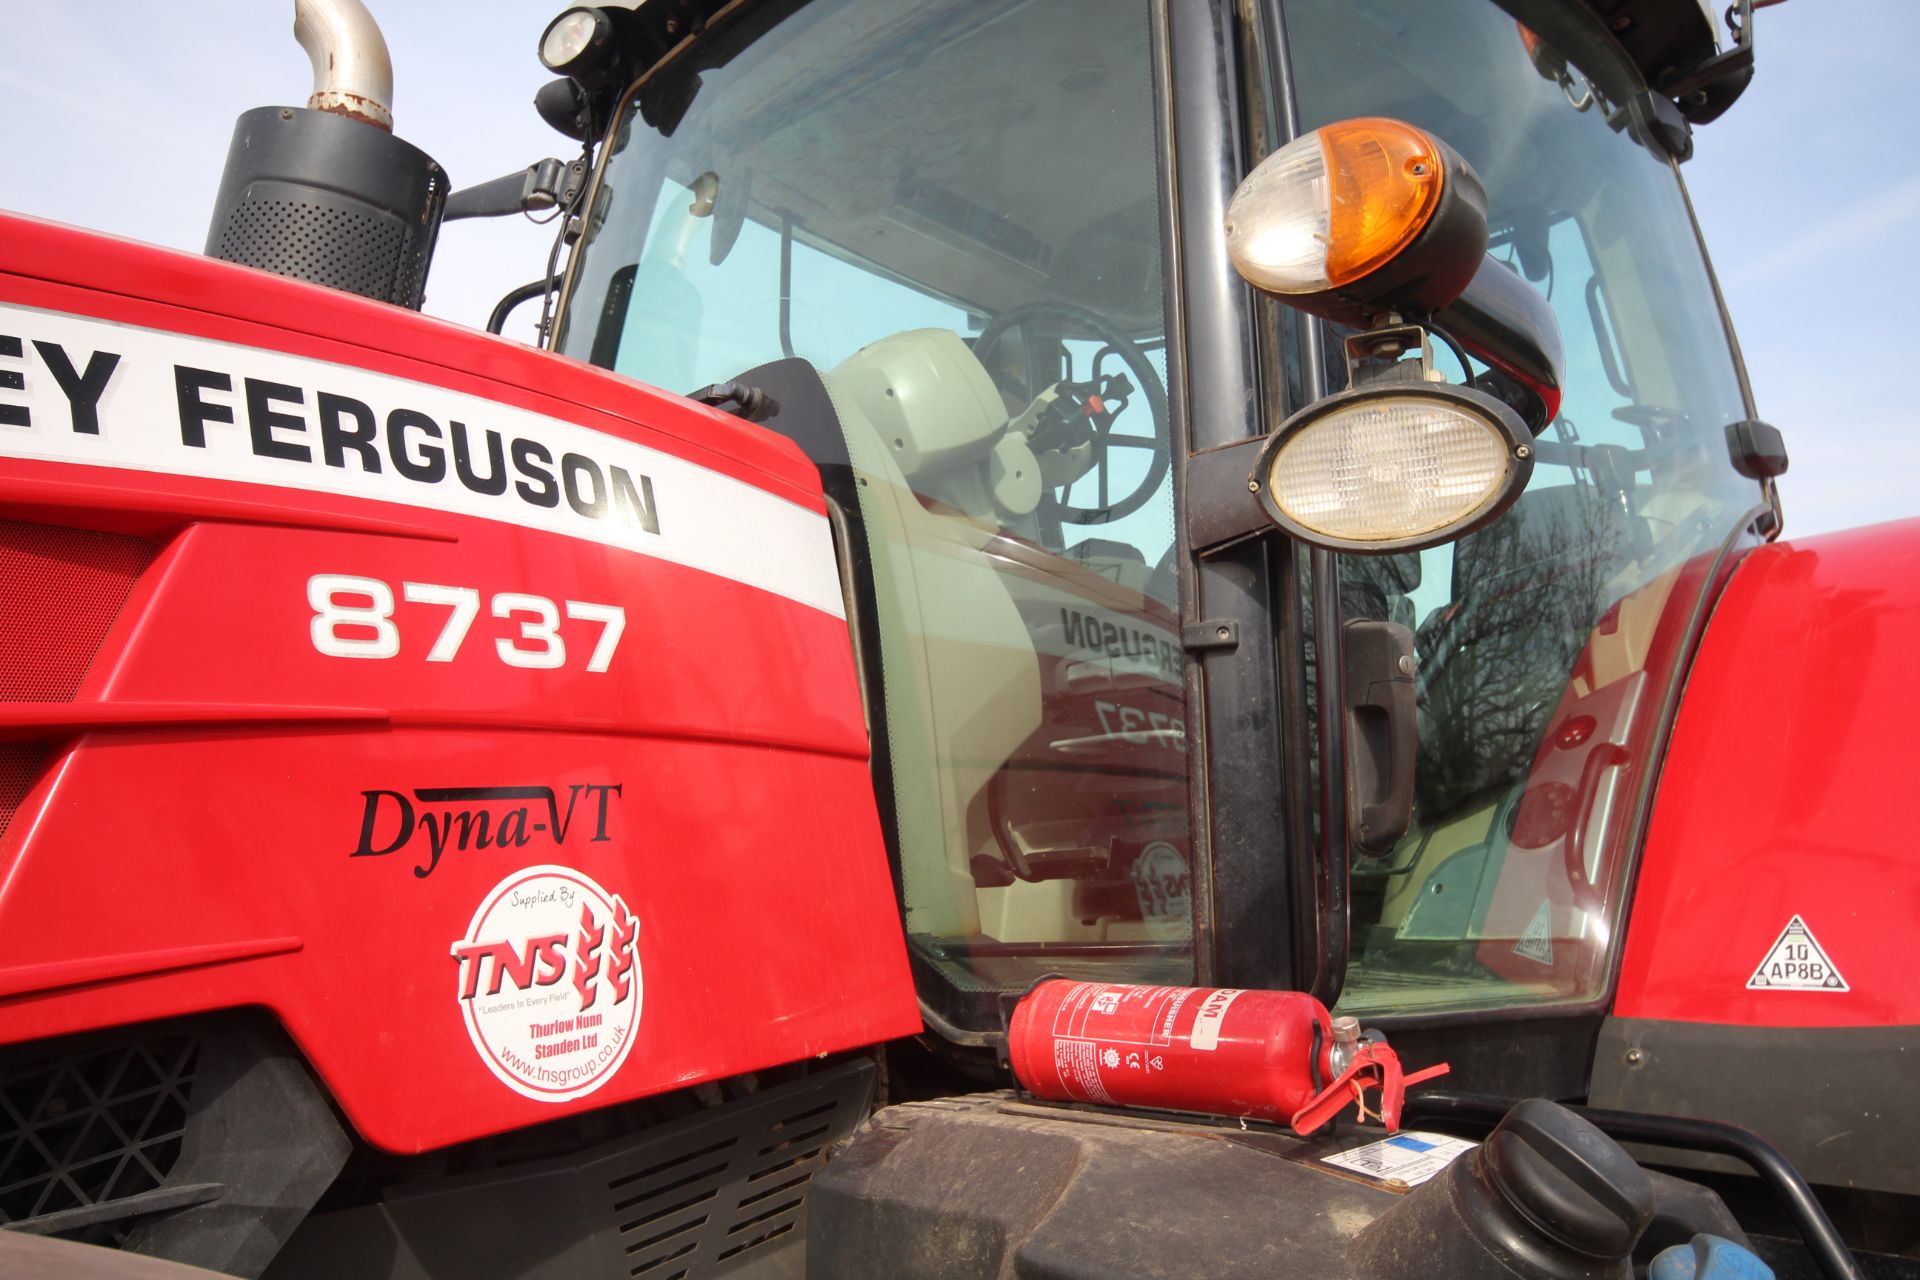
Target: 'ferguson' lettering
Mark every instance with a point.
(1123, 640)
(401, 440)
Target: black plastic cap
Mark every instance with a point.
(563, 104)
(1758, 450)
(1569, 1180)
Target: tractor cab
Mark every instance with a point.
(1133, 548)
(973, 252)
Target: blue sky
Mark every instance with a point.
(1812, 217)
(119, 113)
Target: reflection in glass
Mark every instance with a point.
(1546, 638)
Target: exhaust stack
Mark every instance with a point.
(352, 71)
(327, 193)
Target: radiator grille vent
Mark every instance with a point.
(711, 1197)
(60, 590)
(84, 1126)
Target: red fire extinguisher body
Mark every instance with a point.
(1220, 1050)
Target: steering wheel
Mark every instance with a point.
(1086, 411)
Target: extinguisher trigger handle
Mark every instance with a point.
(1376, 1065)
(1394, 1086)
(1326, 1104)
(1393, 1091)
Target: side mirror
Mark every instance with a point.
(1374, 224)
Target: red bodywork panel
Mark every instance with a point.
(1784, 794)
(664, 847)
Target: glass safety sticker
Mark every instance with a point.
(1407, 1157)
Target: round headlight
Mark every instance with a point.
(573, 40)
(1393, 468)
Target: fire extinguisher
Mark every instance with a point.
(1277, 1055)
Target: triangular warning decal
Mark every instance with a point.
(1795, 962)
(1536, 941)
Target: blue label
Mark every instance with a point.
(1410, 1144)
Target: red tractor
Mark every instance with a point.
(986, 681)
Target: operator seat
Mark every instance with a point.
(929, 405)
(959, 634)
(948, 667)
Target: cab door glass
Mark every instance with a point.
(1546, 639)
(950, 208)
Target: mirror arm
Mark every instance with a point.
(539, 186)
(1704, 93)
(1220, 507)
(1506, 322)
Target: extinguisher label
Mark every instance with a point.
(1078, 1064)
(1118, 1014)
(1206, 1023)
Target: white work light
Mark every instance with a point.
(1393, 467)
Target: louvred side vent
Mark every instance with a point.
(60, 591)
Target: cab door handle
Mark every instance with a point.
(1377, 669)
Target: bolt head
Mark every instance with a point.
(1635, 1057)
(1253, 486)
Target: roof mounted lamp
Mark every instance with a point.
(579, 43)
(595, 52)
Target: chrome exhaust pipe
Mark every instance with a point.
(312, 194)
(352, 72)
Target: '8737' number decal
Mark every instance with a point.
(353, 618)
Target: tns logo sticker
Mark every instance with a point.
(549, 982)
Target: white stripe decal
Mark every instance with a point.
(115, 395)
